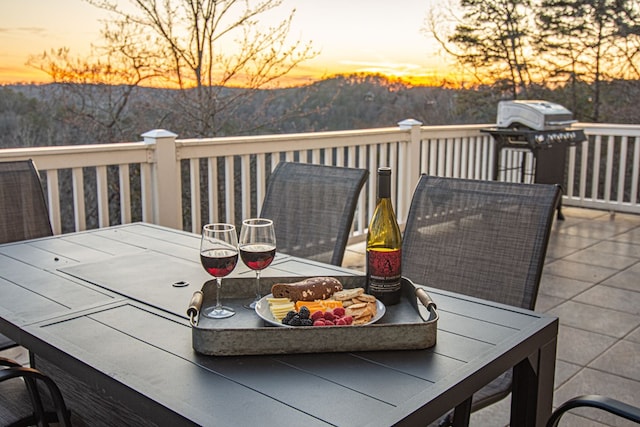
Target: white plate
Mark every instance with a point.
(262, 308)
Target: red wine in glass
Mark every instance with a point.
(219, 256)
(257, 248)
(219, 262)
(257, 257)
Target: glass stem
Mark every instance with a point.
(218, 306)
(257, 284)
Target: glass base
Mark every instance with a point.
(219, 312)
(252, 304)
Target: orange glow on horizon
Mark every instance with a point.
(298, 77)
(347, 35)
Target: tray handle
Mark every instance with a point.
(425, 299)
(194, 307)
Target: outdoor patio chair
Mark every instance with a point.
(613, 406)
(23, 210)
(486, 239)
(24, 403)
(312, 208)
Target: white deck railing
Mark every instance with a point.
(183, 183)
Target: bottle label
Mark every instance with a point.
(384, 270)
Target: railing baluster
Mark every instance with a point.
(622, 169)
(261, 181)
(373, 173)
(194, 181)
(146, 190)
(102, 196)
(596, 168)
(635, 173)
(53, 200)
(571, 171)
(609, 169)
(125, 193)
(230, 190)
(583, 170)
(79, 212)
(212, 189)
(245, 179)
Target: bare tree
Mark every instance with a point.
(204, 48)
(95, 90)
(489, 38)
(590, 40)
(211, 55)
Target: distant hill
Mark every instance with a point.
(64, 114)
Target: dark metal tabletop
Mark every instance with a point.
(100, 306)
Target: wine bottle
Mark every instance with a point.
(384, 246)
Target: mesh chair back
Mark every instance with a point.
(487, 239)
(23, 209)
(312, 208)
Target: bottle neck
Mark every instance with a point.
(384, 186)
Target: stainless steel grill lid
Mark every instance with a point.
(534, 114)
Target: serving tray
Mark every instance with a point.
(407, 325)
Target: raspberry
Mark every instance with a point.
(329, 315)
(348, 319)
(317, 315)
(341, 322)
(338, 312)
(319, 322)
(328, 323)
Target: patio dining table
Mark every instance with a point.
(104, 313)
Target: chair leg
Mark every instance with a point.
(462, 414)
(36, 400)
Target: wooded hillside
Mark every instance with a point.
(66, 114)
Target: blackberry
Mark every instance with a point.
(306, 322)
(288, 317)
(304, 312)
(295, 321)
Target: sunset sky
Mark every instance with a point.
(352, 35)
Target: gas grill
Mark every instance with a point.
(541, 128)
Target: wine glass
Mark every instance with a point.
(219, 256)
(257, 248)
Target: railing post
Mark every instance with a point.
(411, 172)
(167, 192)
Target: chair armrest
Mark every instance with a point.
(608, 404)
(30, 375)
(9, 363)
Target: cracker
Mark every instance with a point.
(358, 305)
(356, 312)
(366, 298)
(361, 320)
(347, 294)
(372, 307)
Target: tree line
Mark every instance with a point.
(516, 46)
(59, 114)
